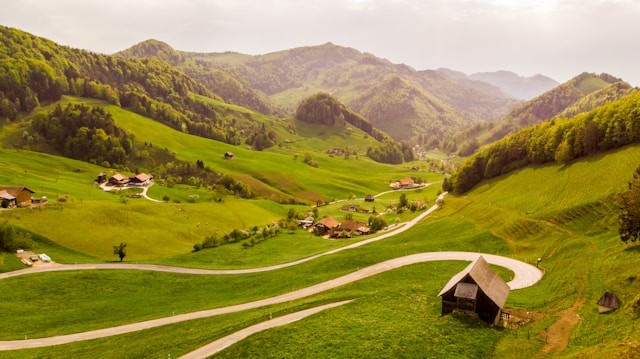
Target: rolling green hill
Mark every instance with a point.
(609, 126)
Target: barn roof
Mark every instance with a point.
(406, 181)
(142, 177)
(14, 191)
(328, 222)
(609, 300)
(118, 177)
(486, 279)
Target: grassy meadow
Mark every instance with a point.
(564, 215)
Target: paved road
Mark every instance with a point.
(225, 342)
(524, 275)
(160, 268)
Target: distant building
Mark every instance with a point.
(351, 208)
(102, 178)
(11, 197)
(118, 180)
(228, 155)
(141, 179)
(326, 225)
(369, 198)
(609, 302)
(404, 183)
(477, 290)
(350, 228)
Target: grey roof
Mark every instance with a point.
(486, 279)
(5, 195)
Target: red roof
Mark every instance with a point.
(406, 181)
(328, 222)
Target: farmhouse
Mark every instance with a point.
(403, 183)
(326, 225)
(477, 290)
(15, 197)
(141, 179)
(609, 302)
(118, 180)
(350, 228)
(228, 155)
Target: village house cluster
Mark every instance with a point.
(118, 180)
(335, 229)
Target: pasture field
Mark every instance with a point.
(268, 173)
(567, 218)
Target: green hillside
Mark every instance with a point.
(580, 94)
(274, 174)
(561, 140)
(571, 227)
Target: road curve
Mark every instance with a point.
(524, 275)
(225, 342)
(161, 268)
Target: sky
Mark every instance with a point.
(557, 38)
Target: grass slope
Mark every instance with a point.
(271, 174)
(396, 311)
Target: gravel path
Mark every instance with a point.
(524, 275)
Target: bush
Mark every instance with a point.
(165, 198)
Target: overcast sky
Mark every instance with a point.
(558, 38)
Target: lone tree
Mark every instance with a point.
(120, 250)
(629, 218)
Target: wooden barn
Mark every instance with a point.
(15, 197)
(609, 302)
(476, 290)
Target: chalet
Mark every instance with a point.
(609, 302)
(403, 183)
(15, 197)
(102, 178)
(369, 198)
(228, 155)
(118, 180)
(141, 179)
(326, 225)
(350, 228)
(477, 290)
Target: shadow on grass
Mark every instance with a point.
(633, 248)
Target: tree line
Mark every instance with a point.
(561, 140)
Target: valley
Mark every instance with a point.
(252, 155)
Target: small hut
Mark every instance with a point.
(609, 302)
(476, 290)
(369, 198)
(228, 155)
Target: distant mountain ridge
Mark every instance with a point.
(435, 106)
(520, 87)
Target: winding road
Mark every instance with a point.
(524, 275)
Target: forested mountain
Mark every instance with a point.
(226, 84)
(582, 93)
(520, 87)
(610, 126)
(34, 70)
(438, 105)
